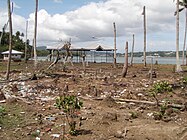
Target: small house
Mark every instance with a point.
(15, 55)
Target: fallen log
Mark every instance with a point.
(3, 101)
(148, 102)
(56, 60)
(119, 100)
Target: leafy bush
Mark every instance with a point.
(161, 87)
(2, 113)
(184, 80)
(70, 105)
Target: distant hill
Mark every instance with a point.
(40, 48)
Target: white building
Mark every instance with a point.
(16, 55)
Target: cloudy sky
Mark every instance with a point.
(87, 21)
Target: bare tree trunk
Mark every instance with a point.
(55, 61)
(178, 67)
(185, 35)
(26, 42)
(184, 45)
(35, 34)
(132, 51)
(10, 39)
(125, 68)
(114, 45)
(144, 14)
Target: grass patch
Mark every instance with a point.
(12, 117)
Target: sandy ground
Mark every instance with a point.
(31, 114)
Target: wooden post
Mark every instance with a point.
(178, 66)
(26, 41)
(124, 72)
(10, 39)
(35, 34)
(132, 50)
(114, 45)
(144, 14)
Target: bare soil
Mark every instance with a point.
(31, 114)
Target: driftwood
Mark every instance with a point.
(148, 102)
(67, 47)
(125, 67)
(56, 60)
(3, 101)
(22, 99)
(118, 100)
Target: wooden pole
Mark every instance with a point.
(132, 50)
(10, 39)
(26, 41)
(35, 34)
(114, 44)
(144, 14)
(124, 72)
(178, 67)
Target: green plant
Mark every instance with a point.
(134, 115)
(184, 80)
(161, 87)
(2, 113)
(70, 105)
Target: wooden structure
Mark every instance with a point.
(89, 51)
(15, 55)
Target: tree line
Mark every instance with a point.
(17, 43)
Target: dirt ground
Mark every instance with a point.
(111, 108)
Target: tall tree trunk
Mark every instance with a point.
(184, 45)
(132, 50)
(178, 67)
(144, 53)
(35, 34)
(125, 67)
(185, 34)
(114, 45)
(26, 41)
(10, 40)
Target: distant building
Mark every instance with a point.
(15, 55)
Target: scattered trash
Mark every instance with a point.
(37, 138)
(55, 135)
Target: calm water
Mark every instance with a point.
(98, 59)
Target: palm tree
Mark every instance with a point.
(183, 3)
(10, 39)
(178, 67)
(35, 33)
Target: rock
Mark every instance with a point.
(2, 97)
(47, 129)
(119, 134)
(34, 77)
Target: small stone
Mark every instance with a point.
(47, 129)
(2, 97)
(119, 134)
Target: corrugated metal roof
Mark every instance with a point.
(95, 46)
(13, 52)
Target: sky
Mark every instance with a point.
(91, 21)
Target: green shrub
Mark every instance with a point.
(70, 105)
(161, 87)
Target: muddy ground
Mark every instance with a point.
(110, 103)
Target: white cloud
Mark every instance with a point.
(58, 1)
(96, 19)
